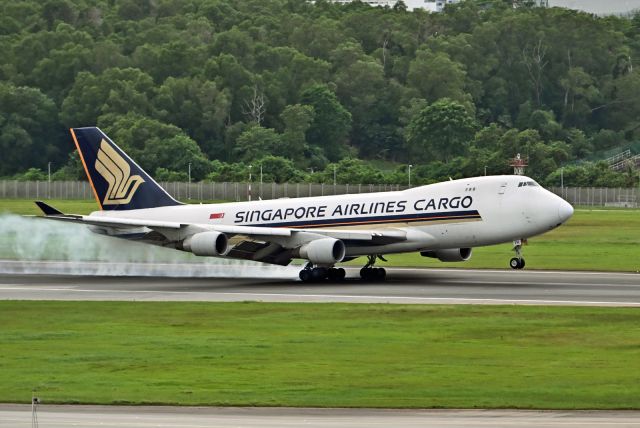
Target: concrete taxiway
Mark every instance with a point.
(192, 417)
(418, 286)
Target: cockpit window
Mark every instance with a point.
(528, 183)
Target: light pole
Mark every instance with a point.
(49, 185)
(249, 188)
(334, 176)
(410, 175)
(260, 181)
(189, 185)
(562, 178)
(485, 170)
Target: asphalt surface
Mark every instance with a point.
(192, 417)
(418, 286)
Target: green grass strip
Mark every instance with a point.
(321, 355)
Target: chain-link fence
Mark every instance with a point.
(202, 191)
(205, 191)
(600, 196)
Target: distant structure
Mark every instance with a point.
(539, 3)
(518, 165)
(436, 5)
(430, 5)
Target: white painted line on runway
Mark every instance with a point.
(510, 271)
(559, 284)
(344, 297)
(437, 299)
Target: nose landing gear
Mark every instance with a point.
(370, 273)
(518, 261)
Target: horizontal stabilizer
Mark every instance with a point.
(47, 209)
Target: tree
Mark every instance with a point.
(623, 110)
(176, 154)
(435, 76)
(196, 106)
(440, 131)
(28, 129)
(534, 58)
(116, 91)
(331, 121)
(297, 119)
(280, 170)
(257, 142)
(58, 10)
(580, 93)
(350, 170)
(213, 69)
(255, 106)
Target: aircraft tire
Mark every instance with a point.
(514, 263)
(521, 264)
(319, 274)
(305, 275)
(336, 274)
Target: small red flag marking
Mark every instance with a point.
(216, 215)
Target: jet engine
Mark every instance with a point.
(325, 251)
(207, 244)
(449, 255)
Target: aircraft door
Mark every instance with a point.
(503, 188)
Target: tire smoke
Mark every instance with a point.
(39, 246)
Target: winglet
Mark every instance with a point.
(48, 209)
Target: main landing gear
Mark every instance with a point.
(518, 261)
(319, 273)
(370, 273)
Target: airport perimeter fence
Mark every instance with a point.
(206, 191)
(202, 191)
(600, 196)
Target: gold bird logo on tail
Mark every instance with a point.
(117, 172)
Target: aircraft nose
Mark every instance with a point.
(565, 210)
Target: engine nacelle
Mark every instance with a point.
(449, 255)
(207, 244)
(325, 251)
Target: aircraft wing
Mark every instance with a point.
(265, 244)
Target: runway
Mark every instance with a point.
(199, 417)
(407, 286)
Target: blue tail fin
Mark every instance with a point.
(117, 181)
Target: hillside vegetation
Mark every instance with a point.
(307, 89)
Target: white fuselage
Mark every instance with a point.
(454, 214)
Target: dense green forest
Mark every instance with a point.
(305, 89)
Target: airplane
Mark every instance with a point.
(444, 220)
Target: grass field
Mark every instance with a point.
(320, 355)
(601, 240)
(27, 207)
